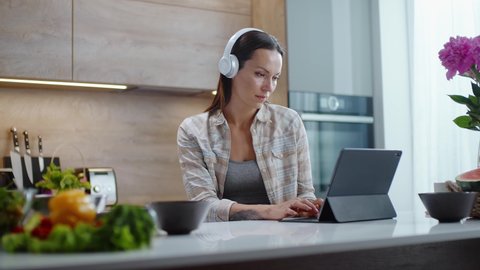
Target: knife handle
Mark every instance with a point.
(27, 142)
(16, 145)
(40, 146)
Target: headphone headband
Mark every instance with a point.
(228, 64)
(234, 38)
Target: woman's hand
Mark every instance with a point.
(295, 208)
(318, 203)
(292, 208)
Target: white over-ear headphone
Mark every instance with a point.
(228, 65)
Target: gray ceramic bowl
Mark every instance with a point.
(178, 217)
(448, 206)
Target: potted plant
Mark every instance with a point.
(461, 55)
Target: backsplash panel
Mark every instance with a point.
(133, 132)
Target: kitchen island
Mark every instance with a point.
(411, 241)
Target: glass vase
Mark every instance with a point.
(478, 156)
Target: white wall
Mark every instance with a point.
(391, 80)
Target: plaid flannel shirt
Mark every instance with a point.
(281, 150)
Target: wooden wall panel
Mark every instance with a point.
(230, 6)
(269, 15)
(150, 43)
(35, 39)
(135, 133)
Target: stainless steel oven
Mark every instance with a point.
(332, 122)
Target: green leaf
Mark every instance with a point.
(472, 107)
(125, 227)
(460, 99)
(15, 242)
(474, 100)
(475, 72)
(54, 178)
(474, 116)
(463, 121)
(63, 237)
(476, 89)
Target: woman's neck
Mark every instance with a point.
(239, 117)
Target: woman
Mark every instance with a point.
(248, 157)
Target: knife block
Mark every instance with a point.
(37, 174)
(6, 178)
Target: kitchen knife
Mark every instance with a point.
(41, 163)
(16, 160)
(28, 157)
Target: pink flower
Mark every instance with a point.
(462, 55)
(476, 51)
(457, 55)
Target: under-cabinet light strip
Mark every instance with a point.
(77, 84)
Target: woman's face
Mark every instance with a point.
(257, 79)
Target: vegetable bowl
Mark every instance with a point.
(72, 225)
(11, 209)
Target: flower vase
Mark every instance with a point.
(478, 156)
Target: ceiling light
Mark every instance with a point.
(63, 83)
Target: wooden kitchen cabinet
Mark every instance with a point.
(171, 44)
(36, 39)
(270, 16)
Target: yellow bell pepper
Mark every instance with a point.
(71, 207)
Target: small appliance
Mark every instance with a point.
(103, 182)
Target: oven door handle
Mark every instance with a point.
(357, 119)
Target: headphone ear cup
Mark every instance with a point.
(228, 65)
(234, 66)
(224, 65)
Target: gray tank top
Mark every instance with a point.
(244, 183)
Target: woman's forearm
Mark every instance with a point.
(272, 211)
(247, 212)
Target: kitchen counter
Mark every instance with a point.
(411, 240)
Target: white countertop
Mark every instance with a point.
(250, 240)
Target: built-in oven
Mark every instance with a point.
(332, 122)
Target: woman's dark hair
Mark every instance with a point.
(243, 49)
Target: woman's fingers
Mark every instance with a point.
(318, 202)
(304, 205)
(291, 212)
(311, 205)
(295, 207)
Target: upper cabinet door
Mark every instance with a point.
(158, 43)
(330, 46)
(36, 39)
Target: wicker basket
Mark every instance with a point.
(453, 187)
(476, 208)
